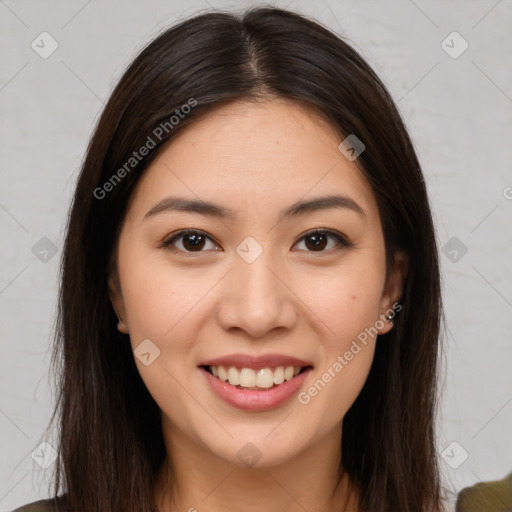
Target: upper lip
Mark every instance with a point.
(256, 362)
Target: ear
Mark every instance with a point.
(116, 298)
(393, 290)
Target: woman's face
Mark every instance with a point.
(252, 290)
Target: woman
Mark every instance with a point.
(250, 299)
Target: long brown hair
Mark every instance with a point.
(111, 443)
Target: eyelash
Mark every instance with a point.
(343, 243)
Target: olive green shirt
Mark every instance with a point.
(493, 496)
(37, 506)
(44, 506)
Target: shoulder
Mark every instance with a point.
(49, 505)
(484, 496)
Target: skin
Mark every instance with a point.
(255, 158)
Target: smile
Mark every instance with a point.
(261, 390)
(254, 379)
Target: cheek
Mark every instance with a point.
(346, 299)
(347, 355)
(350, 313)
(336, 386)
(162, 305)
(167, 306)
(159, 297)
(348, 304)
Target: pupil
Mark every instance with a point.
(316, 243)
(193, 241)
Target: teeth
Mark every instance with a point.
(233, 376)
(223, 374)
(249, 378)
(265, 378)
(279, 375)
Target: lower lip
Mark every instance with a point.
(252, 400)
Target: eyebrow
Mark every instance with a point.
(183, 204)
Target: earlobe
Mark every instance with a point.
(117, 303)
(121, 327)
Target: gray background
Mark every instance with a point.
(458, 110)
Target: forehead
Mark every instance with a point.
(249, 154)
(259, 129)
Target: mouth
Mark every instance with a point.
(255, 379)
(256, 383)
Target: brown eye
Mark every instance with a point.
(317, 241)
(191, 241)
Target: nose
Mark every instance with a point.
(256, 298)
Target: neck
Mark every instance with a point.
(195, 479)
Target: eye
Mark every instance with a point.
(191, 240)
(316, 240)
